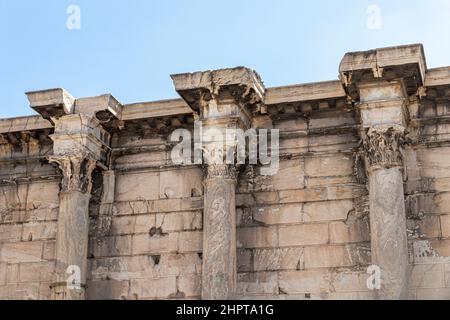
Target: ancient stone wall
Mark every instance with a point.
(363, 181)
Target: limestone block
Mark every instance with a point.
(349, 281)
(107, 290)
(36, 272)
(328, 257)
(291, 125)
(10, 232)
(441, 184)
(44, 214)
(20, 252)
(327, 210)
(303, 234)
(42, 195)
(445, 226)
(263, 198)
(429, 226)
(49, 250)
(442, 247)
(314, 182)
(180, 221)
(341, 119)
(39, 231)
(142, 186)
(181, 183)
(442, 202)
(3, 268)
(12, 273)
(278, 259)
(278, 214)
(119, 268)
(433, 294)
(111, 246)
(45, 291)
(336, 165)
(257, 237)
(341, 233)
(257, 283)
(447, 275)
(318, 194)
(290, 175)
(162, 288)
(144, 223)
(25, 291)
(143, 266)
(358, 295)
(295, 282)
(293, 145)
(244, 260)
(189, 286)
(142, 160)
(5, 292)
(123, 225)
(158, 244)
(434, 162)
(179, 265)
(332, 143)
(428, 276)
(190, 241)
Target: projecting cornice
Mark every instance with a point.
(405, 63)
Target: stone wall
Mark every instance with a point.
(303, 233)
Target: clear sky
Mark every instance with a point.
(129, 48)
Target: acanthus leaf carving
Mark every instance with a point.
(384, 147)
(221, 171)
(77, 172)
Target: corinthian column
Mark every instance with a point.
(225, 101)
(73, 226)
(384, 148)
(379, 83)
(80, 146)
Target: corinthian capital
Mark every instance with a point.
(384, 146)
(77, 172)
(221, 171)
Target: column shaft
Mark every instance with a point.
(219, 235)
(389, 243)
(71, 245)
(388, 232)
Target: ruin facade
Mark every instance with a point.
(359, 208)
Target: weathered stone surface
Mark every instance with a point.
(257, 237)
(159, 230)
(162, 288)
(328, 257)
(21, 252)
(302, 235)
(108, 290)
(144, 186)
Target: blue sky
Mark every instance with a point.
(129, 48)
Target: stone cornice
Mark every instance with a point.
(221, 93)
(406, 62)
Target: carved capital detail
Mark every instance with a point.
(384, 147)
(77, 172)
(221, 171)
